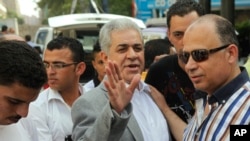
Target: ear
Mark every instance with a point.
(80, 68)
(233, 53)
(93, 64)
(104, 57)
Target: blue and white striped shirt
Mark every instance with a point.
(233, 108)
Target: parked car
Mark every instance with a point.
(84, 27)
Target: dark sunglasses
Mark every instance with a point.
(199, 55)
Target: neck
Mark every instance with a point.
(70, 95)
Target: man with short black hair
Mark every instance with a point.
(22, 75)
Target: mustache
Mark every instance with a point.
(17, 117)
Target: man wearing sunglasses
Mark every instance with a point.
(168, 75)
(64, 63)
(211, 62)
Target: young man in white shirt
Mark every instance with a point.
(64, 62)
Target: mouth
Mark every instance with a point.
(133, 67)
(51, 80)
(195, 79)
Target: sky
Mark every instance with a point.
(27, 7)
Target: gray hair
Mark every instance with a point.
(115, 25)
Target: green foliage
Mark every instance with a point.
(243, 28)
(122, 7)
(244, 37)
(61, 7)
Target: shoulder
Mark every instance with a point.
(43, 97)
(95, 97)
(96, 94)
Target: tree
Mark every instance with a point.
(61, 7)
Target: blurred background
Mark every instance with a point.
(26, 16)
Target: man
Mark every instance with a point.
(28, 40)
(22, 76)
(154, 49)
(228, 101)
(120, 108)
(168, 75)
(99, 67)
(63, 60)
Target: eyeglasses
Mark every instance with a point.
(58, 65)
(199, 55)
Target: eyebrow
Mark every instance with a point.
(179, 32)
(15, 99)
(136, 44)
(55, 62)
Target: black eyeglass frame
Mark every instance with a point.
(58, 65)
(184, 56)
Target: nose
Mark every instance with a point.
(50, 69)
(190, 65)
(23, 110)
(131, 53)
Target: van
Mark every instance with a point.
(84, 27)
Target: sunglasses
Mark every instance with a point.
(199, 55)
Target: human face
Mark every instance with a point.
(14, 102)
(128, 52)
(64, 78)
(210, 74)
(178, 26)
(99, 66)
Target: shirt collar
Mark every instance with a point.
(53, 94)
(223, 93)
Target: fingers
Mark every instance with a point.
(113, 73)
(134, 83)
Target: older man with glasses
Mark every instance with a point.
(64, 62)
(214, 70)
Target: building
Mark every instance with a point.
(147, 9)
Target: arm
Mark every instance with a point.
(95, 120)
(176, 124)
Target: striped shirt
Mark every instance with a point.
(232, 108)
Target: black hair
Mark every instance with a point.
(154, 48)
(182, 8)
(27, 38)
(96, 49)
(72, 44)
(19, 63)
(4, 28)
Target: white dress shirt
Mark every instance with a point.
(149, 117)
(52, 115)
(89, 85)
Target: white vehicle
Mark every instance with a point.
(84, 27)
